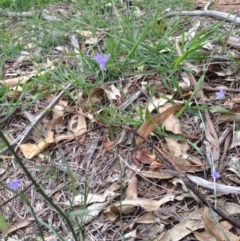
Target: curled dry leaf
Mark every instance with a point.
(97, 93)
(213, 228)
(186, 84)
(155, 165)
(22, 79)
(58, 115)
(203, 236)
(93, 197)
(159, 174)
(144, 156)
(156, 103)
(232, 174)
(84, 33)
(235, 140)
(176, 148)
(192, 223)
(186, 164)
(148, 126)
(131, 193)
(147, 204)
(234, 115)
(14, 92)
(95, 209)
(115, 91)
(30, 150)
(77, 125)
(172, 123)
(109, 145)
(146, 218)
(23, 223)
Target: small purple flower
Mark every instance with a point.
(15, 185)
(215, 174)
(102, 60)
(221, 94)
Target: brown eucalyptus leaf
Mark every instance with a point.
(147, 204)
(143, 156)
(148, 126)
(97, 93)
(58, 115)
(146, 218)
(156, 103)
(131, 193)
(23, 223)
(159, 174)
(109, 145)
(186, 164)
(77, 125)
(30, 150)
(234, 115)
(215, 230)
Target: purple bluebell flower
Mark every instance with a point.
(102, 60)
(221, 94)
(15, 185)
(215, 174)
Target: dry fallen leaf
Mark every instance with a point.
(23, 223)
(30, 150)
(147, 204)
(156, 103)
(192, 223)
(203, 236)
(97, 93)
(229, 117)
(85, 33)
(95, 209)
(109, 145)
(77, 125)
(58, 115)
(14, 92)
(93, 197)
(211, 142)
(22, 79)
(176, 148)
(172, 123)
(115, 91)
(186, 164)
(235, 140)
(131, 193)
(148, 126)
(159, 174)
(215, 230)
(143, 156)
(146, 218)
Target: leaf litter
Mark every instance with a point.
(144, 187)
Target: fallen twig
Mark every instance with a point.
(208, 13)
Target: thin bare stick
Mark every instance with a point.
(212, 14)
